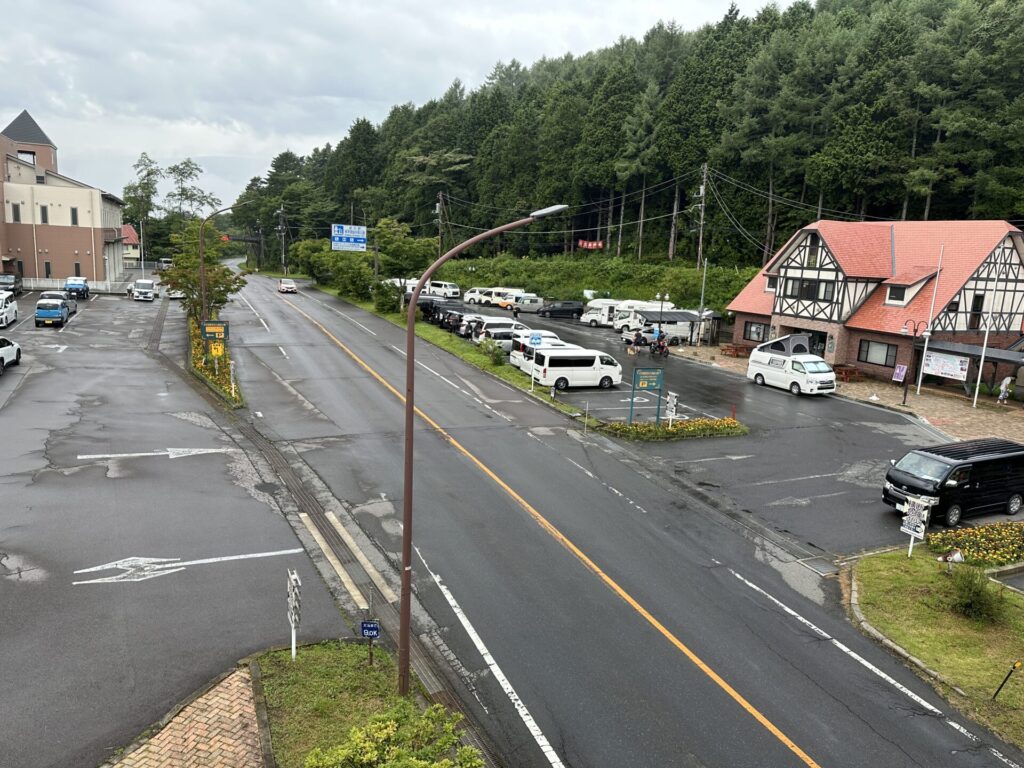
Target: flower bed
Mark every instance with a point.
(986, 545)
(648, 430)
(217, 376)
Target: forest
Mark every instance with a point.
(845, 109)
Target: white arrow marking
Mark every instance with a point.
(714, 458)
(59, 347)
(635, 400)
(171, 453)
(142, 568)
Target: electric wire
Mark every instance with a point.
(732, 218)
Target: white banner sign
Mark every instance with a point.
(947, 366)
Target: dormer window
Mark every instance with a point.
(773, 283)
(897, 294)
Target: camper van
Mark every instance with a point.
(600, 312)
(785, 363)
(563, 368)
(629, 315)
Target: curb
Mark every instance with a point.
(863, 624)
(262, 718)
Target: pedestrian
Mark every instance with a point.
(1004, 390)
(515, 312)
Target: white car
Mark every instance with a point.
(10, 353)
(285, 285)
(473, 295)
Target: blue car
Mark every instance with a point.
(52, 312)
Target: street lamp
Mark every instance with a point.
(204, 307)
(661, 308)
(410, 408)
(913, 328)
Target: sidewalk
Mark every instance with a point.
(218, 728)
(949, 410)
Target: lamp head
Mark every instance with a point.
(549, 211)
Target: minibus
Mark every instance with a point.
(563, 368)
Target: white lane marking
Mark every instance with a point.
(506, 686)
(715, 458)
(70, 321)
(872, 668)
(796, 479)
(588, 473)
(284, 353)
(350, 585)
(338, 312)
(143, 568)
(94, 297)
(440, 376)
(267, 327)
(374, 574)
(259, 414)
(30, 317)
(171, 453)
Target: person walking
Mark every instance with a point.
(515, 312)
(1004, 390)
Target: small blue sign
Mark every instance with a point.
(535, 339)
(370, 629)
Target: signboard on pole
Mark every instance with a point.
(215, 330)
(916, 511)
(947, 366)
(348, 237)
(647, 380)
(294, 604)
(370, 629)
(217, 349)
(900, 373)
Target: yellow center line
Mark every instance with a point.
(579, 554)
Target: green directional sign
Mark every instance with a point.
(648, 378)
(215, 330)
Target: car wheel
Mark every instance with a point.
(1, 366)
(674, 341)
(759, 379)
(1014, 504)
(17, 361)
(561, 384)
(954, 513)
(794, 388)
(545, 314)
(577, 315)
(606, 382)
(593, 323)
(37, 325)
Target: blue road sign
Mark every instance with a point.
(348, 237)
(370, 629)
(535, 339)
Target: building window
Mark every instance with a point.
(897, 293)
(977, 304)
(773, 283)
(813, 242)
(811, 290)
(27, 157)
(78, 269)
(953, 307)
(40, 179)
(826, 290)
(74, 217)
(16, 213)
(44, 214)
(755, 331)
(21, 268)
(877, 353)
(46, 268)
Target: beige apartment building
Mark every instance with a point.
(53, 226)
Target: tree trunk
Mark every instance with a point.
(821, 201)
(913, 154)
(672, 229)
(611, 213)
(640, 233)
(600, 225)
(622, 211)
(928, 202)
(766, 254)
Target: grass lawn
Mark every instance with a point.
(315, 700)
(907, 600)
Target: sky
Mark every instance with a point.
(233, 83)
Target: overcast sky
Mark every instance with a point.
(232, 84)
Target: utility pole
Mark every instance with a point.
(437, 212)
(672, 230)
(700, 236)
(280, 230)
(259, 257)
(142, 248)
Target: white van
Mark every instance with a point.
(521, 341)
(8, 308)
(441, 288)
(493, 295)
(495, 324)
(529, 303)
(562, 368)
(523, 358)
(808, 374)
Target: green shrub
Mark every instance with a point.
(386, 297)
(353, 278)
(493, 350)
(974, 596)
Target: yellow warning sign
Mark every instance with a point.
(217, 348)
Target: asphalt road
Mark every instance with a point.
(86, 667)
(635, 624)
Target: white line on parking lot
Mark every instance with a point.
(796, 479)
(872, 668)
(70, 321)
(22, 322)
(254, 311)
(284, 353)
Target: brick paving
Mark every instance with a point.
(217, 729)
(947, 409)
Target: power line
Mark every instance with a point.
(732, 218)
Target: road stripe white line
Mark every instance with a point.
(506, 686)
(254, 311)
(22, 322)
(796, 479)
(353, 320)
(373, 573)
(871, 667)
(350, 585)
(70, 321)
(284, 353)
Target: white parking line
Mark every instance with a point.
(872, 668)
(254, 311)
(23, 322)
(284, 353)
(70, 320)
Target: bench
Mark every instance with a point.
(736, 350)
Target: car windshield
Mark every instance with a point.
(7, 279)
(922, 466)
(75, 281)
(814, 366)
(146, 284)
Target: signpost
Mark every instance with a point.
(370, 629)
(217, 349)
(648, 380)
(900, 373)
(915, 519)
(535, 340)
(348, 237)
(671, 408)
(294, 604)
(215, 330)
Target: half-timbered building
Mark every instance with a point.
(861, 289)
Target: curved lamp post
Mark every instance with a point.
(913, 328)
(410, 409)
(661, 297)
(204, 307)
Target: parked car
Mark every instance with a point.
(77, 287)
(286, 285)
(10, 353)
(500, 336)
(783, 363)
(61, 296)
(473, 295)
(162, 264)
(573, 309)
(8, 308)
(52, 312)
(441, 288)
(496, 324)
(173, 294)
(507, 299)
(972, 477)
(566, 367)
(144, 290)
(529, 303)
(10, 282)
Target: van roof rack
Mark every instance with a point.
(969, 450)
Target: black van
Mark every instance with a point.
(973, 477)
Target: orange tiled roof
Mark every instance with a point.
(129, 235)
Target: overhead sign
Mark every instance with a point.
(348, 237)
(215, 329)
(946, 366)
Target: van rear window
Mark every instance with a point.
(571, 362)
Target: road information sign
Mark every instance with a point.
(535, 339)
(348, 237)
(915, 519)
(370, 629)
(294, 604)
(215, 330)
(647, 380)
(217, 348)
